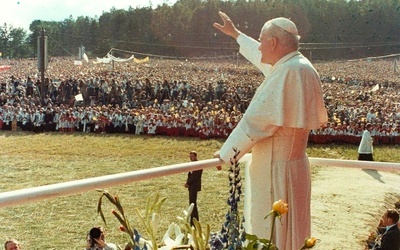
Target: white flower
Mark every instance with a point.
(170, 242)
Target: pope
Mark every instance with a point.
(275, 128)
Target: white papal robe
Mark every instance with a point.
(275, 127)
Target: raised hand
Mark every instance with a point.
(228, 27)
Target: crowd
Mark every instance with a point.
(202, 99)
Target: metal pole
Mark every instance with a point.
(12, 198)
(42, 64)
(29, 195)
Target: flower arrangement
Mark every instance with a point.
(185, 236)
(232, 235)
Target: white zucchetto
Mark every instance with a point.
(285, 24)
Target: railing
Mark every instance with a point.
(29, 195)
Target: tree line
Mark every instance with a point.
(330, 29)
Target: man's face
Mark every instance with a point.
(192, 157)
(265, 47)
(13, 246)
(386, 221)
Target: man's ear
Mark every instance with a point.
(274, 42)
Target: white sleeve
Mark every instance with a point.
(243, 139)
(110, 246)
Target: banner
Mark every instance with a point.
(108, 58)
(117, 59)
(141, 60)
(102, 60)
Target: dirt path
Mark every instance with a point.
(347, 202)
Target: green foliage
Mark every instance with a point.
(150, 219)
(201, 237)
(126, 226)
(257, 243)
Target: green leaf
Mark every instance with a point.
(252, 245)
(119, 205)
(195, 240)
(251, 237)
(159, 204)
(269, 214)
(109, 196)
(121, 220)
(208, 230)
(264, 241)
(197, 226)
(155, 200)
(100, 211)
(148, 206)
(188, 228)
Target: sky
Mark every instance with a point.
(21, 13)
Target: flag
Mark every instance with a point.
(85, 57)
(376, 87)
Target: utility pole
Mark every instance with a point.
(42, 46)
(42, 61)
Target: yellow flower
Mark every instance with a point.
(310, 242)
(280, 206)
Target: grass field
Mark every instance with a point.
(29, 160)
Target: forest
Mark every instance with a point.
(329, 29)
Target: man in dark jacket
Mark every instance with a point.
(389, 239)
(193, 184)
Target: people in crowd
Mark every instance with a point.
(355, 93)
